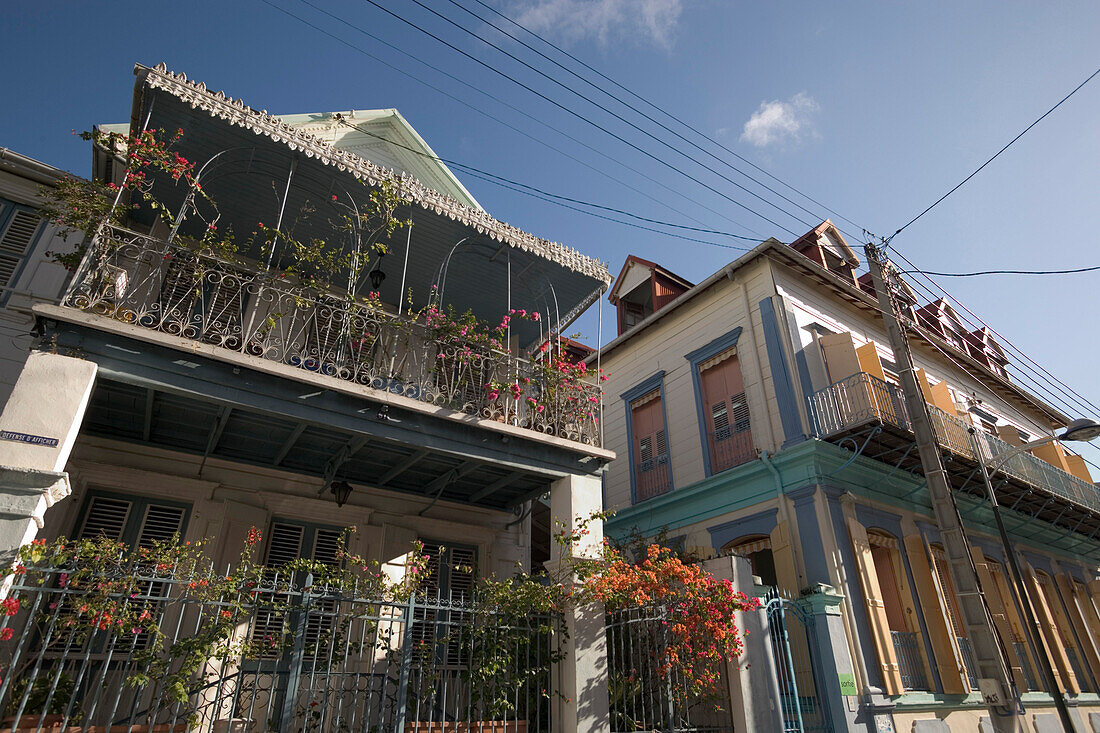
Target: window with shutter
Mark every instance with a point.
(19, 228)
(272, 630)
(650, 459)
(450, 577)
(728, 429)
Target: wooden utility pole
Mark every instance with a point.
(994, 681)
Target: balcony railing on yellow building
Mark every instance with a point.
(155, 285)
(862, 399)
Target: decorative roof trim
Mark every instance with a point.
(236, 112)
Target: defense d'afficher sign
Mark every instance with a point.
(28, 438)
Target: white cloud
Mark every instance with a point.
(779, 122)
(628, 21)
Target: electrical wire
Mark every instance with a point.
(1002, 272)
(584, 118)
(630, 106)
(663, 112)
(525, 188)
(995, 155)
(497, 120)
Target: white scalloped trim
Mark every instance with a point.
(236, 112)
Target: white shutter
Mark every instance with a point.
(161, 523)
(16, 242)
(105, 517)
(285, 543)
(326, 547)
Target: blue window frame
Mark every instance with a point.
(649, 460)
(695, 358)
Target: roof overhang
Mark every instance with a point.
(480, 264)
(845, 290)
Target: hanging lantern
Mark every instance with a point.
(341, 490)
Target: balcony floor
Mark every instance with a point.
(896, 447)
(148, 394)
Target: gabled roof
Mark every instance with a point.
(983, 338)
(829, 238)
(633, 261)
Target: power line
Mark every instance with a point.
(1002, 272)
(559, 199)
(493, 118)
(625, 103)
(983, 165)
(663, 111)
(581, 117)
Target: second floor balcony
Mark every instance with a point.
(171, 289)
(873, 412)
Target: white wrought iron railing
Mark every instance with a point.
(861, 399)
(251, 310)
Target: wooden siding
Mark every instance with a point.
(663, 346)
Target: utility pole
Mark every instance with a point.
(995, 683)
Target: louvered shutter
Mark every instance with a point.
(268, 635)
(285, 544)
(160, 524)
(15, 243)
(105, 517)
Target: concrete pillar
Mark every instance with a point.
(38, 428)
(42, 417)
(752, 680)
(833, 662)
(582, 705)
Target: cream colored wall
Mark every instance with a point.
(813, 304)
(663, 346)
(229, 492)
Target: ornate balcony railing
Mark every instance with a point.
(910, 664)
(729, 449)
(652, 478)
(862, 398)
(169, 288)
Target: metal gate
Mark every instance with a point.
(803, 708)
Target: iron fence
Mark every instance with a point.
(301, 658)
(910, 663)
(802, 708)
(254, 310)
(861, 398)
(647, 690)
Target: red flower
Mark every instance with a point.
(6, 634)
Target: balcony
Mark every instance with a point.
(652, 477)
(729, 449)
(253, 311)
(872, 411)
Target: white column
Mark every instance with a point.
(38, 428)
(582, 705)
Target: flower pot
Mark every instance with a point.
(474, 726)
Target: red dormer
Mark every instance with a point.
(942, 320)
(824, 245)
(643, 288)
(907, 299)
(983, 347)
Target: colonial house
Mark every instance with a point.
(178, 390)
(758, 414)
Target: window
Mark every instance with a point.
(758, 551)
(907, 646)
(288, 541)
(951, 603)
(19, 228)
(137, 521)
(647, 419)
(438, 621)
(729, 432)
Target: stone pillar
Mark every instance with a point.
(822, 607)
(752, 680)
(582, 705)
(38, 428)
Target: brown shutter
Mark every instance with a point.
(876, 608)
(1050, 636)
(940, 631)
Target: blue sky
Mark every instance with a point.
(874, 109)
